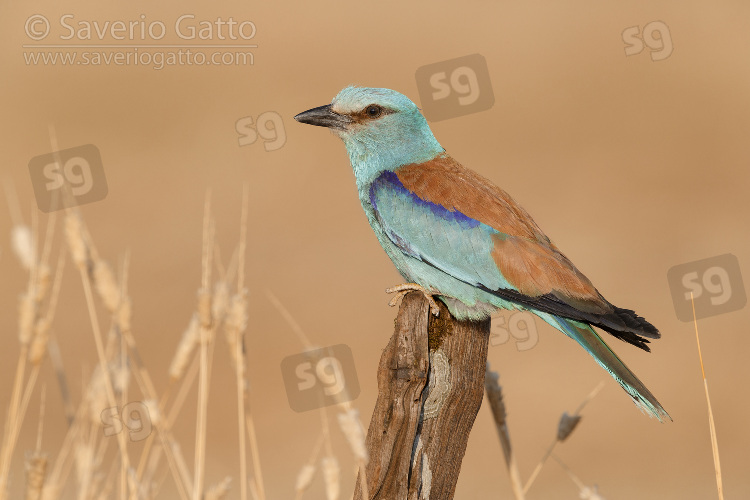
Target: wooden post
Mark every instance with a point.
(430, 388)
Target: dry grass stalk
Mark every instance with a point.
(36, 468)
(55, 358)
(497, 405)
(63, 462)
(234, 327)
(567, 425)
(85, 466)
(169, 446)
(711, 425)
(331, 473)
(81, 250)
(584, 492)
(83, 446)
(205, 317)
(290, 320)
(106, 285)
(253, 489)
(185, 349)
(307, 473)
(40, 339)
(26, 319)
(23, 245)
(565, 428)
(118, 303)
(258, 489)
(33, 330)
(351, 418)
(76, 243)
(351, 426)
(304, 479)
(36, 461)
(219, 490)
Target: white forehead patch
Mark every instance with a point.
(353, 99)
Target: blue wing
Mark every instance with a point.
(446, 239)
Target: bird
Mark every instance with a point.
(454, 235)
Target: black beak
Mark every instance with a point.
(324, 116)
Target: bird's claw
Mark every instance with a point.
(402, 290)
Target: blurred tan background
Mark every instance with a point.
(630, 165)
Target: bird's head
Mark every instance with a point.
(380, 127)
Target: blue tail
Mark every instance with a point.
(585, 335)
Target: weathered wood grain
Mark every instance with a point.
(430, 388)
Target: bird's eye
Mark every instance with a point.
(373, 110)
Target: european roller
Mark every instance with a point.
(454, 235)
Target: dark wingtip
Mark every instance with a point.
(627, 326)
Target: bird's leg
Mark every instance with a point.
(402, 290)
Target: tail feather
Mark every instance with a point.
(607, 359)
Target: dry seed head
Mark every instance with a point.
(567, 425)
(587, 493)
(106, 285)
(76, 240)
(234, 326)
(495, 395)
(220, 490)
(304, 478)
(36, 468)
(84, 457)
(23, 245)
(154, 415)
(220, 300)
(42, 281)
(96, 396)
(237, 317)
(331, 475)
(121, 375)
(39, 344)
(254, 489)
(124, 313)
(26, 317)
(352, 428)
(204, 308)
(51, 491)
(188, 343)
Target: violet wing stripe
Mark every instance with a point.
(435, 235)
(390, 181)
(454, 243)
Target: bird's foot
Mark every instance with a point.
(402, 290)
